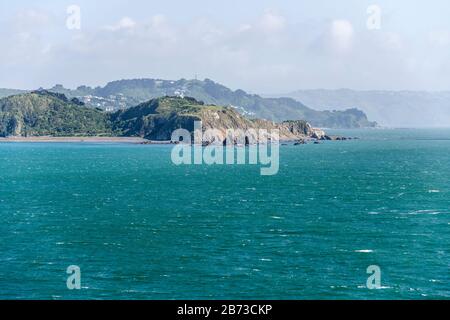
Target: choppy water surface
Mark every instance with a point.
(140, 227)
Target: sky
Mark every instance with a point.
(260, 46)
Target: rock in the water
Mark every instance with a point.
(326, 137)
(299, 142)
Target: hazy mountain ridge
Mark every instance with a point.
(127, 93)
(122, 94)
(388, 108)
(9, 92)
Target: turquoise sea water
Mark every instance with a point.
(140, 227)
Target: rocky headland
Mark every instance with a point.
(48, 114)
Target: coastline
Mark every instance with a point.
(76, 139)
(131, 140)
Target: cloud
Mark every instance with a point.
(124, 23)
(393, 41)
(31, 19)
(272, 22)
(440, 38)
(267, 53)
(25, 40)
(161, 28)
(341, 32)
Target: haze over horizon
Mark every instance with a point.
(264, 47)
(263, 94)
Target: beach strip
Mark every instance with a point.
(74, 139)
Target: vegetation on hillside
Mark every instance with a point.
(41, 113)
(128, 93)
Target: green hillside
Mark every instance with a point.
(42, 113)
(128, 93)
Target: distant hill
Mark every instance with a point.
(10, 92)
(127, 93)
(43, 113)
(388, 108)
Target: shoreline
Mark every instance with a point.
(132, 140)
(136, 140)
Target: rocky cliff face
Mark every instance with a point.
(158, 118)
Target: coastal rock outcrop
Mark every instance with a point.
(158, 118)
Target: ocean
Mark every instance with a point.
(140, 227)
